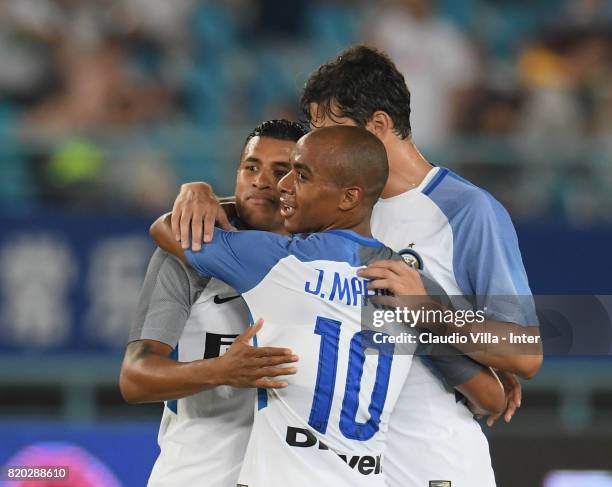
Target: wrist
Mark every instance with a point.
(209, 372)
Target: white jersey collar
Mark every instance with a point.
(417, 189)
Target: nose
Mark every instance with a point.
(287, 183)
(263, 180)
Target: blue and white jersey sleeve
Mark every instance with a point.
(241, 259)
(486, 259)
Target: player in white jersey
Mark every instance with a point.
(457, 234)
(328, 427)
(185, 323)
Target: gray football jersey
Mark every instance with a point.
(202, 437)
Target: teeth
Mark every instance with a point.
(287, 210)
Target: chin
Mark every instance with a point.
(292, 227)
(260, 220)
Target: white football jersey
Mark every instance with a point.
(202, 437)
(461, 237)
(328, 426)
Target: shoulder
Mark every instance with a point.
(175, 274)
(463, 201)
(338, 246)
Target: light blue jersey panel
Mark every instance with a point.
(242, 259)
(487, 262)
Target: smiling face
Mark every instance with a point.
(309, 195)
(337, 174)
(264, 162)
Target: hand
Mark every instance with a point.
(514, 394)
(246, 366)
(197, 204)
(395, 276)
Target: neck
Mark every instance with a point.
(361, 227)
(407, 167)
(240, 225)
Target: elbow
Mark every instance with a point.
(154, 230)
(492, 403)
(128, 389)
(495, 404)
(485, 394)
(529, 365)
(157, 229)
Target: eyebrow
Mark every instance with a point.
(251, 159)
(283, 164)
(303, 167)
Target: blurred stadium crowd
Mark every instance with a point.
(109, 104)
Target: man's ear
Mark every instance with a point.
(380, 124)
(351, 198)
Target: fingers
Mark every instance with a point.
(209, 224)
(491, 419)
(381, 284)
(223, 221)
(270, 384)
(196, 231)
(514, 402)
(184, 227)
(273, 351)
(175, 219)
(514, 393)
(517, 389)
(250, 332)
(510, 410)
(375, 273)
(277, 360)
(277, 371)
(266, 383)
(396, 266)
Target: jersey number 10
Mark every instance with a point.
(326, 381)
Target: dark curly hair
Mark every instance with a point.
(278, 129)
(359, 82)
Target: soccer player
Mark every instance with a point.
(186, 323)
(456, 233)
(327, 427)
(459, 235)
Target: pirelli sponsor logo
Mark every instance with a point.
(364, 464)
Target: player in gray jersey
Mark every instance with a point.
(189, 346)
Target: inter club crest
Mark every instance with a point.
(412, 258)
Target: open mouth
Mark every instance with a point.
(286, 209)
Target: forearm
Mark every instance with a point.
(503, 346)
(156, 378)
(485, 393)
(153, 378)
(510, 347)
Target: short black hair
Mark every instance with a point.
(281, 129)
(354, 156)
(359, 82)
